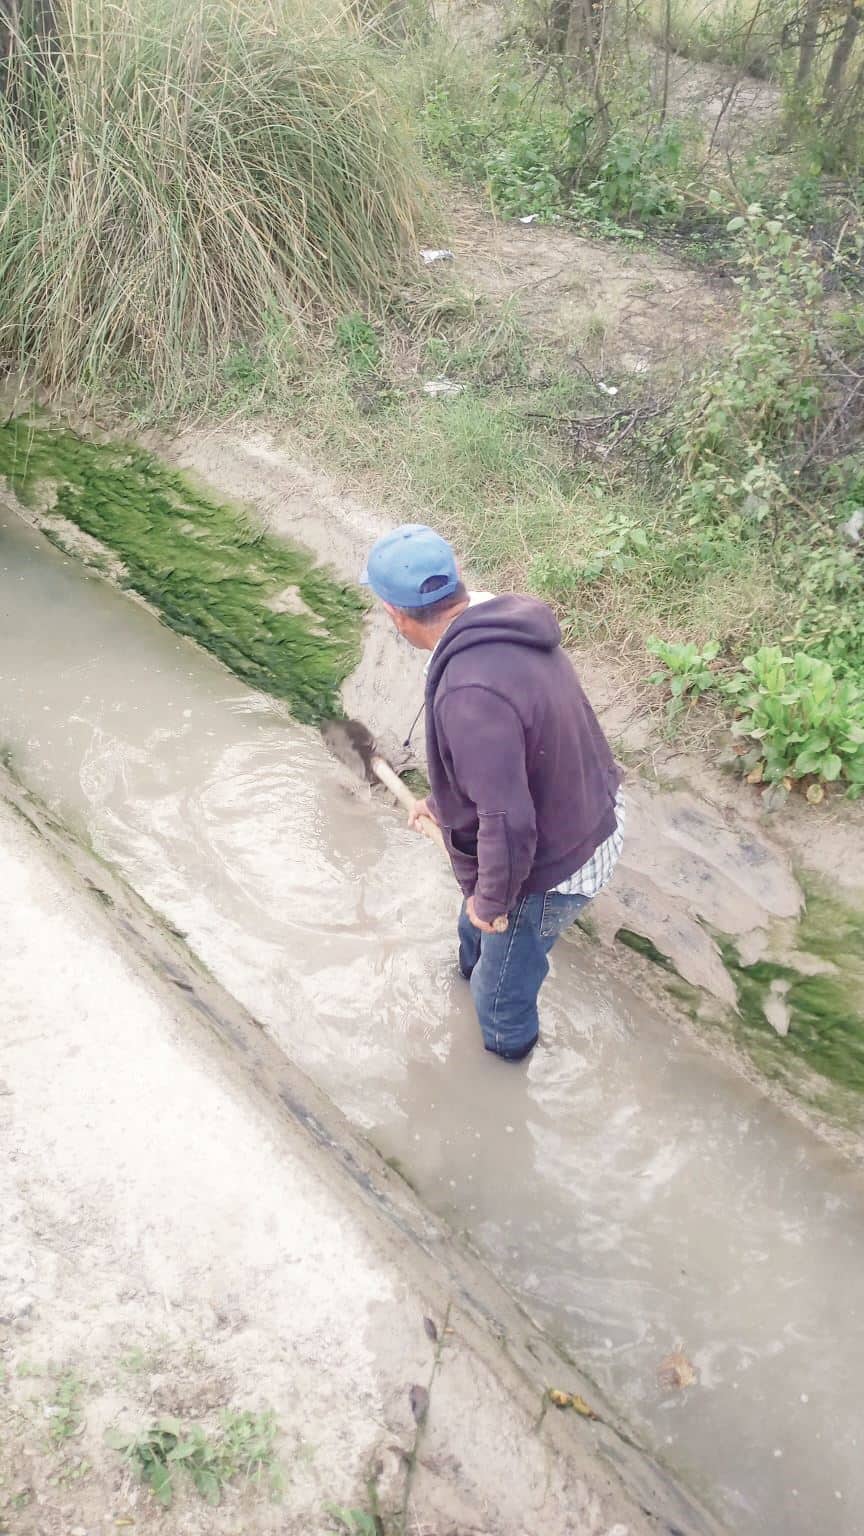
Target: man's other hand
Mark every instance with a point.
(477, 921)
(419, 809)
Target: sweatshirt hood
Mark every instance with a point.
(510, 620)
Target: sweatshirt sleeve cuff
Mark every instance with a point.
(486, 910)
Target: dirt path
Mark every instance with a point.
(632, 310)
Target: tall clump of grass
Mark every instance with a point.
(176, 180)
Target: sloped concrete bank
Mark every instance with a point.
(190, 1226)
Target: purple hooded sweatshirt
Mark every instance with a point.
(523, 780)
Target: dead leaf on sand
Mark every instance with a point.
(677, 1371)
(571, 1400)
(431, 1330)
(419, 1399)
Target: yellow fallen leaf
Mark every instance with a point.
(755, 774)
(571, 1400)
(815, 794)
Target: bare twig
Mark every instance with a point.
(667, 59)
(833, 422)
(535, 282)
(411, 1463)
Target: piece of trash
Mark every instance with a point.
(528, 218)
(607, 389)
(419, 1399)
(429, 258)
(571, 1400)
(677, 1371)
(431, 1330)
(854, 526)
(439, 387)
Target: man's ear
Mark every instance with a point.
(397, 616)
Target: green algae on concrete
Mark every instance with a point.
(825, 1011)
(820, 1060)
(256, 602)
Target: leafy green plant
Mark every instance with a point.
(736, 434)
(638, 175)
(686, 670)
(803, 721)
(527, 172)
(241, 1449)
(537, 155)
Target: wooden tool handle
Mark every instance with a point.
(402, 793)
(428, 827)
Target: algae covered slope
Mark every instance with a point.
(819, 1028)
(257, 603)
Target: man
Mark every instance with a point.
(524, 785)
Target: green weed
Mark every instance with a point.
(801, 722)
(241, 1450)
(27, 1368)
(639, 174)
(737, 434)
(137, 1360)
(66, 1419)
(354, 1522)
(358, 343)
(687, 670)
(536, 154)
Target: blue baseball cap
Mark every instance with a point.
(401, 562)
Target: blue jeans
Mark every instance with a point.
(507, 970)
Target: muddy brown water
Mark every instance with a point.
(635, 1193)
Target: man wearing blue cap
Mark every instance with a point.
(524, 785)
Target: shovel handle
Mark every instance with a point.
(402, 793)
(385, 774)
